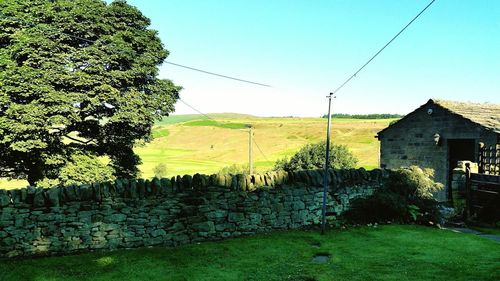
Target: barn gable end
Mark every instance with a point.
(438, 134)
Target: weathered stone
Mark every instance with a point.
(106, 190)
(257, 181)
(207, 226)
(217, 214)
(115, 218)
(205, 181)
(187, 182)
(4, 198)
(121, 219)
(148, 188)
(85, 192)
(132, 189)
(121, 186)
(197, 182)
(241, 182)
(141, 188)
(236, 217)
(249, 183)
(228, 180)
(158, 232)
(39, 198)
(179, 184)
(96, 191)
(220, 180)
(166, 185)
(178, 226)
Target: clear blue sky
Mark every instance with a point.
(305, 49)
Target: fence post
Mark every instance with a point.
(480, 157)
(497, 160)
(467, 191)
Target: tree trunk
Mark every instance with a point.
(35, 173)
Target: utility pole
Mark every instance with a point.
(327, 166)
(250, 135)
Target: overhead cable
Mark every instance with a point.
(379, 51)
(168, 62)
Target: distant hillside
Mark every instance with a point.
(189, 144)
(364, 116)
(175, 119)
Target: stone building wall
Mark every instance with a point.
(128, 214)
(410, 141)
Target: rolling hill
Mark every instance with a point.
(190, 144)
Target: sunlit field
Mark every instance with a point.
(190, 144)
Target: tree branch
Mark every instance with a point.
(80, 141)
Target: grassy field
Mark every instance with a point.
(383, 253)
(190, 144)
(195, 144)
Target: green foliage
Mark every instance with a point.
(235, 169)
(312, 156)
(414, 212)
(48, 183)
(212, 123)
(96, 93)
(80, 169)
(160, 170)
(364, 116)
(405, 197)
(84, 169)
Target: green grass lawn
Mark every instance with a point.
(383, 253)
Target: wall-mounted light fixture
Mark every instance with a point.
(437, 138)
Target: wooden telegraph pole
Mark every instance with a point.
(250, 136)
(327, 166)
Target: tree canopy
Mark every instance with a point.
(312, 156)
(77, 76)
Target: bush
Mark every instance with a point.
(312, 156)
(160, 170)
(83, 168)
(405, 197)
(235, 169)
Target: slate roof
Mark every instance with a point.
(484, 114)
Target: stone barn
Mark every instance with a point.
(437, 135)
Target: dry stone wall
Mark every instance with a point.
(129, 213)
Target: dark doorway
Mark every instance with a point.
(459, 150)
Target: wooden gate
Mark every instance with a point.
(483, 196)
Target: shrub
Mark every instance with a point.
(82, 168)
(312, 156)
(405, 197)
(85, 168)
(160, 170)
(235, 169)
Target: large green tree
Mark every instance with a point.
(77, 76)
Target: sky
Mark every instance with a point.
(305, 49)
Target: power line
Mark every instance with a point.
(197, 110)
(171, 63)
(387, 44)
(175, 64)
(209, 117)
(260, 150)
(219, 75)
